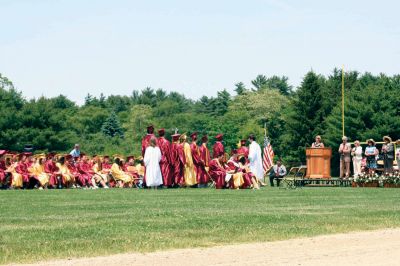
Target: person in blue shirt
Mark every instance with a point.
(76, 152)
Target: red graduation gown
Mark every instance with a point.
(218, 149)
(203, 177)
(197, 161)
(22, 168)
(165, 163)
(85, 173)
(218, 173)
(2, 171)
(177, 167)
(51, 169)
(146, 142)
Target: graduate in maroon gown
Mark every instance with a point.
(85, 171)
(243, 150)
(22, 167)
(2, 167)
(196, 155)
(165, 163)
(217, 171)
(176, 161)
(218, 148)
(146, 139)
(204, 177)
(51, 169)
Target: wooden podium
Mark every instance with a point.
(318, 162)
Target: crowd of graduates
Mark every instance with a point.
(182, 164)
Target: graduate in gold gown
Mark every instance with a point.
(38, 172)
(16, 178)
(122, 178)
(64, 174)
(100, 175)
(189, 172)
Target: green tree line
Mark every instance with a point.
(116, 124)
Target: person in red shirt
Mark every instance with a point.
(218, 148)
(165, 163)
(146, 139)
(85, 172)
(22, 167)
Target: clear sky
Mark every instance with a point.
(76, 47)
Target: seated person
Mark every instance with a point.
(249, 178)
(123, 179)
(278, 171)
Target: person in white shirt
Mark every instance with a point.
(255, 158)
(398, 154)
(152, 158)
(357, 153)
(278, 172)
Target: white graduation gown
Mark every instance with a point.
(256, 160)
(152, 158)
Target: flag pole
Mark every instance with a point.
(343, 101)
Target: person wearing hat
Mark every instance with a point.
(177, 161)
(100, 176)
(218, 147)
(37, 171)
(371, 152)
(345, 159)
(122, 179)
(146, 139)
(388, 155)
(152, 158)
(203, 176)
(197, 161)
(189, 172)
(22, 167)
(218, 172)
(85, 172)
(64, 175)
(50, 168)
(243, 149)
(165, 163)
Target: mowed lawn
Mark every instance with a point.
(40, 225)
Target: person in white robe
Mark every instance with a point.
(152, 158)
(255, 158)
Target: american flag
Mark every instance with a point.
(268, 154)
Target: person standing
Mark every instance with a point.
(255, 158)
(344, 152)
(197, 161)
(279, 172)
(218, 148)
(205, 157)
(357, 153)
(177, 161)
(371, 152)
(146, 139)
(388, 154)
(152, 158)
(318, 143)
(398, 154)
(165, 163)
(189, 172)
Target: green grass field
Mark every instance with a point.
(40, 225)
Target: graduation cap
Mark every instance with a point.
(219, 137)
(161, 132)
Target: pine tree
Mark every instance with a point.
(240, 88)
(112, 127)
(305, 116)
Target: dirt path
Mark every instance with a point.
(364, 248)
